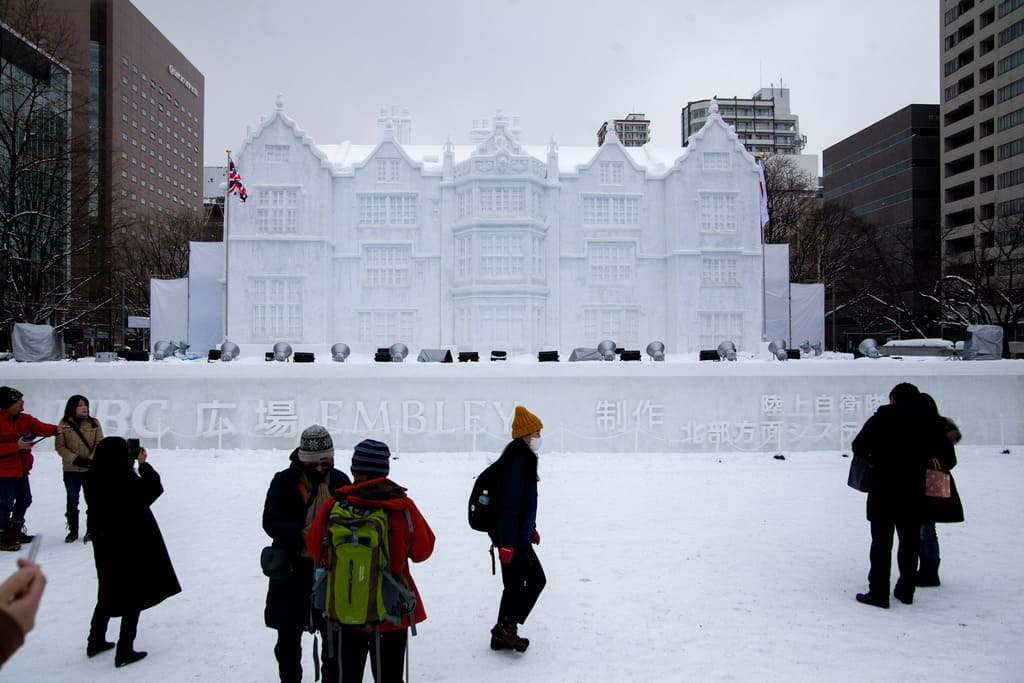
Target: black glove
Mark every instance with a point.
(82, 461)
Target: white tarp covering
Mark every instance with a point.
(168, 311)
(807, 308)
(32, 343)
(984, 342)
(776, 292)
(205, 295)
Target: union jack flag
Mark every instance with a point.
(235, 184)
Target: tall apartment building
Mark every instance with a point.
(763, 121)
(888, 174)
(632, 131)
(982, 48)
(138, 106)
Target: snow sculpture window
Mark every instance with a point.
(387, 209)
(386, 265)
(717, 161)
(611, 262)
(384, 328)
(619, 323)
(537, 254)
(277, 308)
(719, 271)
(503, 324)
(464, 204)
(717, 212)
(501, 256)
(717, 327)
(611, 210)
(388, 170)
(277, 154)
(611, 172)
(502, 201)
(277, 210)
(463, 257)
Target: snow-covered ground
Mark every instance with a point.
(660, 568)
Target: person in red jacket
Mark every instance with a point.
(17, 431)
(373, 490)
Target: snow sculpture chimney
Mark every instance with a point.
(552, 161)
(279, 102)
(448, 162)
(610, 134)
(400, 122)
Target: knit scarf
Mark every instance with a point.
(318, 495)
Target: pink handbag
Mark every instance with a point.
(936, 482)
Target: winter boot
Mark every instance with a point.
(129, 656)
(98, 642)
(8, 541)
(928, 575)
(873, 599)
(904, 593)
(18, 528)
(72, 516)
(505, 636)
(126, 653)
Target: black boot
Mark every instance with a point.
(928, 575)
(126, 653)
(505, 636)
(873, 599)
(18, 529)
(72, 515)
(8, 540)
(98, 642)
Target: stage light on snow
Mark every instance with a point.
(339, 352)
(656, 350)
(398, 352)
(607, 349)
(727, 350)
(282, 351)
(869, 348)
(229, 351)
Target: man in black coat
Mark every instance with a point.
(293, 499)
(897, 441)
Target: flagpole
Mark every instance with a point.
(227, 203)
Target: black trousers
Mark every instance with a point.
(523, 579)
(909, 533)
(288, 651)
(126, 637)
(358, 644)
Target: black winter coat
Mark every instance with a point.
(284, 520)
(517, 497)
(133, 569)
(898, 442)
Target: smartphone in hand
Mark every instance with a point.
(133, 449)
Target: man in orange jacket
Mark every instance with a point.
(18, 430)
(409, 538)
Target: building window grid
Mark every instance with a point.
(717, 161)
(716, 327)
(277, 210)
(387, 209)
(277, 154)
(277, 308)
(611, 172)
(611, 263)
(502, 201)
(722, 272)
(386, 265)
(537, 253)
(611, 210)
(1008, 92)
(1010, 178)
(505, 321)
(383, 328)
(463, 257)
(717, 212)
(388, 170)
(620, 324)
(501, 256)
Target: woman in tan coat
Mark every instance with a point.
(75, 446)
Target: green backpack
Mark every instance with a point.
(361, 588)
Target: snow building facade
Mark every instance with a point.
(494, 245)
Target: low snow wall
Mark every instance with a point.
(773, 406)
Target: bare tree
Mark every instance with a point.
(40, 186)
(156, 247)
(791, 194)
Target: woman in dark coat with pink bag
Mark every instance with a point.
(938, 509)
(133, 569)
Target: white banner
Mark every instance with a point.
(168, 311)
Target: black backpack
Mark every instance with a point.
(483, 503)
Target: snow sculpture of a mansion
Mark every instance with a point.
(494, 245)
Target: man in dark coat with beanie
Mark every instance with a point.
(294, 496)
(897, 441)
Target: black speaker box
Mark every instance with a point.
(709, 354)
(303, 357)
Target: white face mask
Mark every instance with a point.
(535, 444)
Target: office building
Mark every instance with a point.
(763, 122)
(632, 131)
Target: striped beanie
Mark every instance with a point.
(525, 423)
(371, 457)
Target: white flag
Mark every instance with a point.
(763, 187)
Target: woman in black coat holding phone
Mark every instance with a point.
(133, 569)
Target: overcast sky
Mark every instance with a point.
(563, 66)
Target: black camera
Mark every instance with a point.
(133, 449)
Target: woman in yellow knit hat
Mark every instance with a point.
(515, 532)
